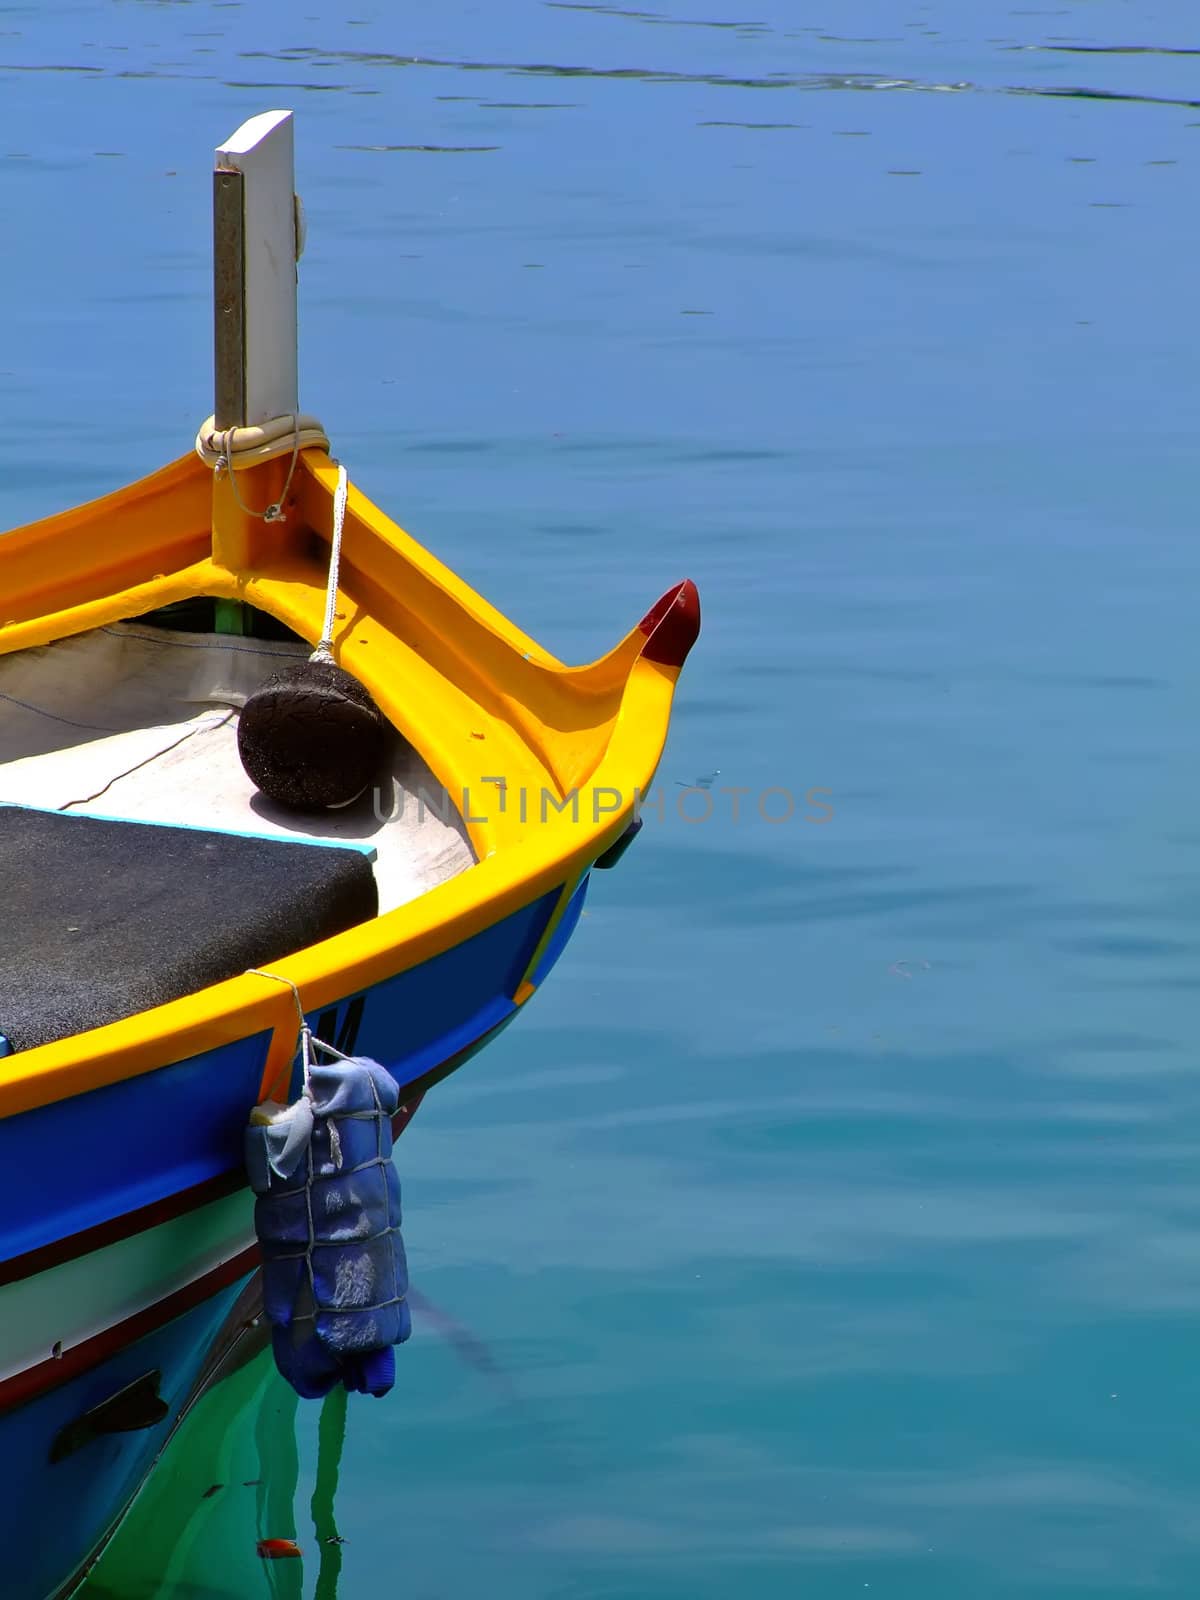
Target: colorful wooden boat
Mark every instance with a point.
(154, 901)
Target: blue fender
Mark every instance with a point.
(335, 1278)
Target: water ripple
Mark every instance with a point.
(427, 149)
(807, 82)
(657, 18)
(1110, 49)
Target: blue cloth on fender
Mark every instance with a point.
(328, 1221)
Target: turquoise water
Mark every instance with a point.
(829, 1222)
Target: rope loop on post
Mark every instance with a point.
(231, 450)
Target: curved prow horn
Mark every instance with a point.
(672, 625)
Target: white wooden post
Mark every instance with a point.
(254, 273)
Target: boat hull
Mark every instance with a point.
(147, 1239)
(228, 1478)
(55, 1512)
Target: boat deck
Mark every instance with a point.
(139, 723)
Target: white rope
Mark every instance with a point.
(309, 1043)
(324, 650)
(319, 1044)
(230, 450)
(248, 447)
(258, 972)
(306, 1033)
(275, 511)
(233, 449)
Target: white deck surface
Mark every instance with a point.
(137, 722)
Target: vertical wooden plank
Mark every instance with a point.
(229, 301)
(260, 157)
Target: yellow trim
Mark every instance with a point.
(475, 695)
(556, 916)
(523, 993)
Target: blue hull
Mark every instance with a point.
(127, 1175)
(190, 1115)
(54, 1514)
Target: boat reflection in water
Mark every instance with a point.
(217, 1519)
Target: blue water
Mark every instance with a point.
(830, 1220)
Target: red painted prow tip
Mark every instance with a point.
(672, 625)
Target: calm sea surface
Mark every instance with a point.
(831, 1221)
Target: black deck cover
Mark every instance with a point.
(100, 919)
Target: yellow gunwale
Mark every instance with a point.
(492, 703)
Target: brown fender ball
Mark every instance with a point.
(312, 738)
